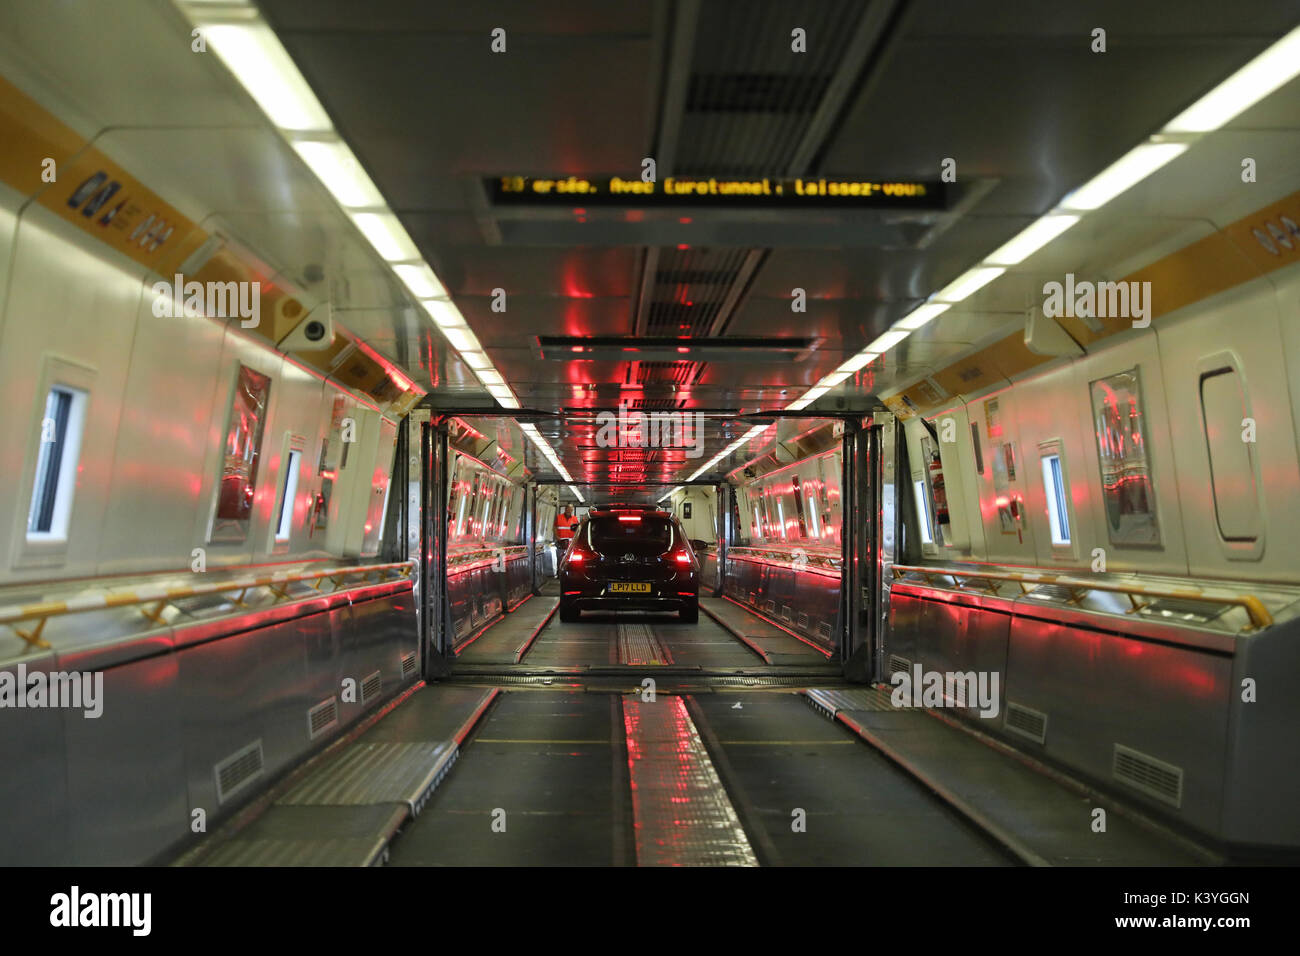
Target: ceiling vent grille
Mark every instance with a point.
(755, 92)
(239, 770)
(665, 373)
(323, 717)
(371, 687)
(1153, 777)
(1026, 722)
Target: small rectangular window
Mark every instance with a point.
(56, 464)
(923, 511)
(288, 492)
(1058, 513)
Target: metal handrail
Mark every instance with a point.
(160, 597)
(1259, 615)
(813, 560)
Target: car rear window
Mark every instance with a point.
(642, 535)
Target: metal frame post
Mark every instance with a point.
(722, 498)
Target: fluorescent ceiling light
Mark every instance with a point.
(386, 235)
(336, 167)
(1278, 64)
(887, 340)
(463, 339)
(253, 53)
(444, 313)
(421, 281)
(833, 379)
(500, 390)
(1031, 239)
(489, 376)
(476, 360)
(1127, 171)
(857, 362)
(922, 315)
(815, 393)
(577, 494)
(968, 283)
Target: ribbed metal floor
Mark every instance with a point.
(637, 644)
(376, 773)
(682, 812)
(860, 698)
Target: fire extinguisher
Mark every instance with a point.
(937, 489)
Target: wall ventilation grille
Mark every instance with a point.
(1026, 721)
(371, 688)
(408, 665)
(1153, 777)
(323, 717)
(897, 664)
(239, 770)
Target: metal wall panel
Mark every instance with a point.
(1102, 689)
(33, 786)
(1262, 799)
(126, 768)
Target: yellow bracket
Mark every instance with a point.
(33, 638)
(155, 613)
(239, 601)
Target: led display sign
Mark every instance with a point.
(710, 191)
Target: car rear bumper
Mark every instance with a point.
(630, 602)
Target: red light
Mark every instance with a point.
(575, 348)
(575, 557)
(682, 348)
(684, 220)
(682, 245)
(686, 593)
(682, 557)
(629, 517)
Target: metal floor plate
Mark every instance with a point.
(682, 814)
(858, 698)
(637, 644)
(375, 773)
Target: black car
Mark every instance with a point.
(629, 560)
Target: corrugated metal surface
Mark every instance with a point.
(682, 814)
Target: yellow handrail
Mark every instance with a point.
(158, 597)
(1255, 610)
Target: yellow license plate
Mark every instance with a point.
(621, 587)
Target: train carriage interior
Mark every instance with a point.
(690, 433)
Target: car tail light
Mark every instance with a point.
(636, 518)
(681, 557)
(575, 557)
